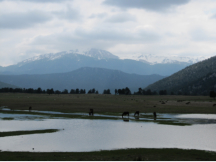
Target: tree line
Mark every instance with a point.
(48, 91)
(123, 91)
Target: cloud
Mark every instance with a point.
(96, 38)
(99, 15)
(23, 20)
(214, 16)
(201, 35)
(121, 18)
(155, 5)
(39, 1)
(69, 14)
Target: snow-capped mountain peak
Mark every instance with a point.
(157, 59)
(100, 54)
(95, 53)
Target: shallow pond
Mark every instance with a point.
(88, 135)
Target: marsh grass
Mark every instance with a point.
(8, 118)
(113, 155)
(17, 133)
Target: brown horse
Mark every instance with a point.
(125, 113)
(91, 112)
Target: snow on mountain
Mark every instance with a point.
(102, 54)
(156, 59)
(95, 53)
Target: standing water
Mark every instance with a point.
(78, 135)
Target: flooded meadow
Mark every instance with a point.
(109, 132)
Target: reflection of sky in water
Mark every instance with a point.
(197, 116)
(89, 135)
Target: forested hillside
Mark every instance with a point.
(197, 79)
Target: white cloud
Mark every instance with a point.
(121, 18)
(69, 14)
(29, 28)
(18, 20)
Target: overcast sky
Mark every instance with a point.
(122, 27)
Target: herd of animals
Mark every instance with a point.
(91, 113)
(136, 114)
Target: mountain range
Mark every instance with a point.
(72, 60)
(197, 79)
(83, 78)
(101, 70)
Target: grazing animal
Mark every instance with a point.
(136, 113)
(214, 104)
(30, 108)
(155, 115)
(91, 112)
(125, 113)
(188, 103)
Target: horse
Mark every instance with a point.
(125, 113)
(155, 115)
(136, 113)
(91, 112)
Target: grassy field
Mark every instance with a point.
(108, 103)
(113, 155)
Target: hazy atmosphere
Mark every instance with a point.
(125, 27)
(107, 80)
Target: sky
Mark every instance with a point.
(123, 27)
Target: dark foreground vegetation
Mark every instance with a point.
(113, 155)
(17, 133)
